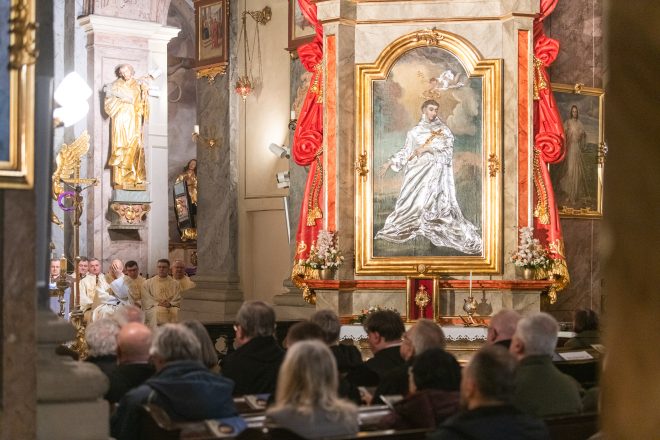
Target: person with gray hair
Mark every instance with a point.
(486, 392)
(182, 385)
(502, 327)
(101, 338)
(254, 365)
(541, 389)
(422, 336)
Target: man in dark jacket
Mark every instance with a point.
(486, 391)
(384, 330)
(255, 363)
(133, 343)
(182, 386)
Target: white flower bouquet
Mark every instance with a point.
(325, 253)
(530, 254)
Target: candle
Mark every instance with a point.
(196, 129)
(63, 265)
(470, 284)
(293, 115)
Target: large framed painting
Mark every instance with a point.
(212, 29)
(578, 179)
(301, 31)
(17, 57)
(429, 139)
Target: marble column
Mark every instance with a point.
(143, 44)
(217, 295)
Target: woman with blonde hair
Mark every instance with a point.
(306, 399)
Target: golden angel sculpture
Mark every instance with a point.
(127, 104)
(68, 166)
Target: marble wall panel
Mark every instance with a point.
(582, 256)
(577, 25)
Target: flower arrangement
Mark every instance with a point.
(530, 254)
(364, 314)
(325, 253)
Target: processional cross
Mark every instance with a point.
(68, 174)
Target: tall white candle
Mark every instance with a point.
(293, 115)
(470, 284)
(196, 129)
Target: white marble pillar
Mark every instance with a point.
(112, 41)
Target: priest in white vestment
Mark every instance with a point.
(129, 286)
(161, 297)
(180, 276)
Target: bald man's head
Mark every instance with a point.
(503, 325)
(133, 342)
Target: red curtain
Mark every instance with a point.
(548, 149)
(308, 143)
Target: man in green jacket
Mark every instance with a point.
(540, 388)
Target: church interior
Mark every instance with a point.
(452, 162)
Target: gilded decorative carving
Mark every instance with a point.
(22, 35)
(130, 214)
(189, 234)
(211, 72)
(361, 165)
(493, 165)
(432, 37)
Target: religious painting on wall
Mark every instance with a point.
(301, 31)
(421, 298)
(212, 24)
(429, 110)
(578, 179)
(17, 93)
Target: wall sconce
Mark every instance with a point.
(283, 179)
(281, 152)
(208, 142)
(71, 96)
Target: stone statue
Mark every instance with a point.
(127, 105)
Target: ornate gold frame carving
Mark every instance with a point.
(17, 172)
(580, 91)
(476, 66)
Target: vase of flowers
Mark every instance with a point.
(324, 255)
(531, 254)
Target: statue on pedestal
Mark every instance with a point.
(127, 105)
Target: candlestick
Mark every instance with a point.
(63, 264)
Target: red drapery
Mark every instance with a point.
(548, 149)
(308, 148)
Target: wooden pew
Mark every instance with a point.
(572, 427)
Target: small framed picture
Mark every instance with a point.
(421, 298)
(212, 29)
(301, 31)
(578, 179)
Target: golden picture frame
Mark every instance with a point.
(422, 298)
(18, 52)
(389, 92)
(212, 37)
(578, 180)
